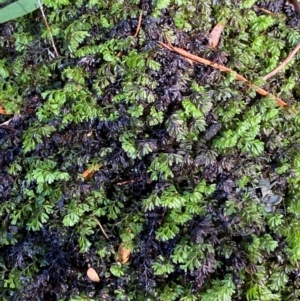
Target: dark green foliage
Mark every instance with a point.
(178, 151)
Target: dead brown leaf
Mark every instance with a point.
(3, 111)
(123, 254)
(87, 174)
(215, 35)
(92, 275)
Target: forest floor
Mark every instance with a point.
(150, 151)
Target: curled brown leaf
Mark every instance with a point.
(215, 35)
(3, 111)
(123, 254)
(92, 275)
(87, 174)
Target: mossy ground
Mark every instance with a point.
(178, 151)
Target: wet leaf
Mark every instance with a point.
(123, 254)
(92, 275)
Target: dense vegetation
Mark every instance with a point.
(179, 152)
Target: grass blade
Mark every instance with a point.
(17, 9)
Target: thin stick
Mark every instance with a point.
(136, 32)
(101, 227)
(6, 123)
(132, 181)
(264, 10)
(139, 25)
(48, 28)
(283, 64)
(239, 77)
(127, 182)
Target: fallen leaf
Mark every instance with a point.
(215, 35)
(92, 275)
(3, 111)
(123, 254)
(87, 174)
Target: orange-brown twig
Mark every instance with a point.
(283, 64)
(239, 77)
(139, 25)
(136, 32)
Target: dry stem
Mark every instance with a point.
(264, 10)
(239, 77)
(139, 25)
(283, 64)
(102, 229)
(48, 28)
(131, 181)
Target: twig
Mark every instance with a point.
(127, 182)
(136, 32)
(7, 122)
(264, 10)
(239, 77)
(95, 218)
(132, 181)
(48, 28)
(139, 25)
(283, 64)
